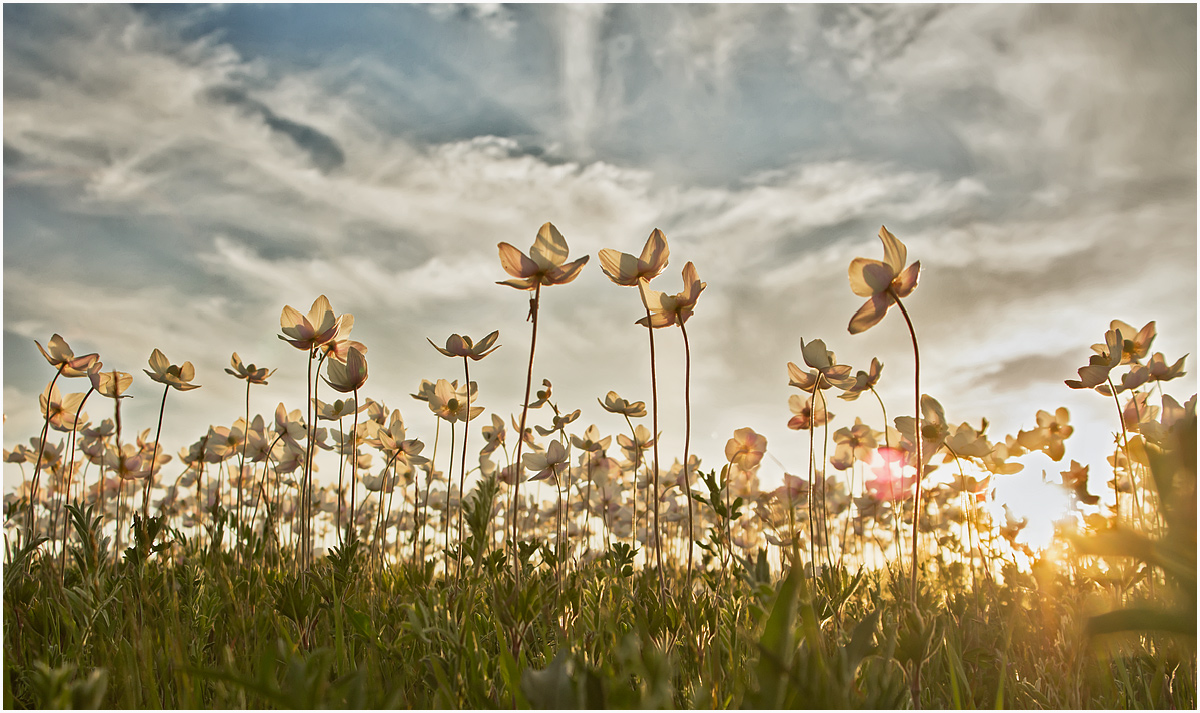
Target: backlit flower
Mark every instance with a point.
(545, 263)
(1095, 374)
(251, 373)
(615, 404)
(934, 429)
(889, 482)
(806, 416)
(881, 281)
(59, 411)
(165, 372)
(665, 309)
(462, 346)
(547, 464)
(311, 330)
(863, 381)
(59, 355)
(825, 372)
(1049, 435)
(746, 448)
(625, 269)
(1134, 344)
(111, 383)
(350, 376)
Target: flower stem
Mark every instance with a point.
(37, 468)
(662, 586)
(154, 455)
(462, 475)
(919, 437)
(516, 506)
(687, 440)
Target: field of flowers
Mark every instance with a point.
(563, 567)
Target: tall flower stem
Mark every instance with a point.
(37, 468)
(662, 585)
(241, 470)
(353, 523)
(687, 441)
(154, 456)
(437, 432)
(516, 502)
(462, 476)
(919, 437)
(812, 476)
(1128, 461)
(637, 466)
(70, 477)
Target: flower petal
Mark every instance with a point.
(515, 262)
(549, 248)
(894, 252)
(621, 268)
(566, 273)
(906, 282)
(869, 314)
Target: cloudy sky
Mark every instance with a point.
(175, 175)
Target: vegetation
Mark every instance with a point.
(609, 580)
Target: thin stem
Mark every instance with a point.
(687, 440)
(154, 454)
(37, 468)
(918, 438)
(1128, 461)
(242, 468)
(516, 506)
(353, 469)
(462, 476)
(662, 586)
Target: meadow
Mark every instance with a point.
(564, 567)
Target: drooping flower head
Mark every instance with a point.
(881, 281)
(746, 448)
(350, 376)
(59, 355)
(545, 263)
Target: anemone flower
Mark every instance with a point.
(469, 350)
(884, 283)
(545, 265)
(349, 378)
(170, 376)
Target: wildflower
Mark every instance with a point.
(863, 381)
(1100, 364)
(311, 330)
(165, 372)
(746, 448)
(337, 410)
(1134, 344)
(251, 373)
(591, 441)
(627, 270)
(348, 377)
(340, 345)
(1049, 434)
(615, 404)
(997, 463)
(806, 416)
(493, 435)
(883, 282)
(889, 482)
(558, 423)
(111, 383)
(666, 310)
(966, 442)
(1076, 479)
(855, 442)
(59, 355)
(545, 263)
(1137, 411)
(1159, 371)
(462, 346)
(60, 412)
(543, 395)
(934, 430)
(546, 464)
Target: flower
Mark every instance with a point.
(251, 373)
(890, 483)
(1099, 365)
(855, 442)
(60, 412)
(336, 410)
(665, 309)
(934, 429)
(544, 265)
(558, 423)
(547, 463)
(591, 441)
(457, 346)
(805, 416)
(111, 383)
(863, 381)
(625, 269)
(493, 435)
(450, 403)
(883, 282)
(543, 395)
(1134, 344)
(340, 344)
(167, 373)
(61, 356)
(1159, 371)
(1049, 434)
(311, 330)
(826, 371)
(615, 404)
(1076, 479)
(290, 424)
(350, 376)
(746, 448)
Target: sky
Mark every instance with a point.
(175, 175)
